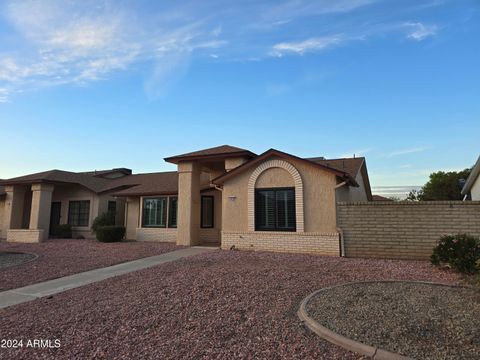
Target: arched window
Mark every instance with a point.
(277, 208)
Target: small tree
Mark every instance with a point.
(441, 186)
(414, 195)
(105, 219)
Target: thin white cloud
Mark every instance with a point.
(358, 152)
(4, 93)
(418, 31)
(54, 42)
(82, 42)
(406, 151)
(299, 8)
(302, 47)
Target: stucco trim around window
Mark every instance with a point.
(298, 191)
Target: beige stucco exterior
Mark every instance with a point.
(135, 230)
(475, 190)
(318, 197)
(188, 203)
(98, 205)
(230, 178)
(315, 208)
(2, 215)
(26, 210)
(353, 194)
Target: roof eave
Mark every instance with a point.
(177, 159)
(145, 193)
(46, 181)
(222, 178)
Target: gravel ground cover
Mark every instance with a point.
(8, 259)
(218, 305)
(62, 257)
(417, 320)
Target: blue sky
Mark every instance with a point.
(101, 84)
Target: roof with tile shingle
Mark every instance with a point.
(222, 151)
(59, 176)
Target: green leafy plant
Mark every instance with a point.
(63, 231)
(441, 186)
(104, 219)
(110, 233)
(461, 251)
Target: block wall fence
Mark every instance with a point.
(403, 230)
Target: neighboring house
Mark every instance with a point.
(471, 189)
(380, 198)
(223, 195)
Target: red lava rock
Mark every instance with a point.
(220, 305)
(62, 257)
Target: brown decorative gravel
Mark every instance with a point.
(421, 321)
(218, 305)
(62, 257)
(8, 259)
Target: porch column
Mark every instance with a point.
(41, 207)
(188, 203)
(13, 216)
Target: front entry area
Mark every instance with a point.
(55, 214)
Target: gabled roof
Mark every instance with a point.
(472, 178)
(92, 183)
(349, 165)
(273, 152)
(220, 152)
(161, 183)
(102, 173)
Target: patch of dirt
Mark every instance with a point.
(421, 321)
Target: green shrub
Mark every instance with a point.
(461, 251)
(110, 233)
(104, 219)
(63, 231)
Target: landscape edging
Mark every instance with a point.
(35, 257)
(347, 343)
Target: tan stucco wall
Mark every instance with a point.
(188, 203)
(14, 205)
(3, 234)
(232, 163)
(319, 198)
(353, 194)
(40, 208)
(133, 223)
(132, 220)
(475, 191)
(136, 232)
(67, 193)
(275, 177)
(213, 235)
(103, 207)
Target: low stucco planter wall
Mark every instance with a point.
(25, 236)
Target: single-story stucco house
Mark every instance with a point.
(471, 189)
(223, 195)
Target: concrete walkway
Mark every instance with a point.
(50, 287)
